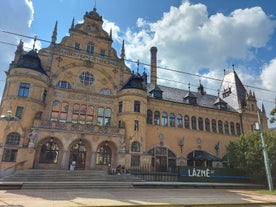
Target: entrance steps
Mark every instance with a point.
(65, 179)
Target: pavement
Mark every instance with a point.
(136, 197)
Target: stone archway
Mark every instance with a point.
(78, 155)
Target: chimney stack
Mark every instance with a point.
(153, 66)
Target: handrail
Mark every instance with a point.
(15, 165)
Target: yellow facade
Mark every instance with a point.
(76, 104)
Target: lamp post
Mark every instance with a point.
(265, 154)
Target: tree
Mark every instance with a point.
(246, 153)
(273, 115)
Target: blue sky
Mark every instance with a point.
(203, 37)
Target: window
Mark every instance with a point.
(220, 129)
(90, 48)
(49, 152)
(135, 147)
(77, 46)
(156, 118)
(187, 122)
(44, 94)
(24, 89)
(19, 111)
(106, 92)
(136, 125)
(164, 119)
(104, 116)
(59, 111)
(86, 78)
(103, 155)
(172, 120)
(9, 155)
(63, 84)
(194, 123)
(102, 52)
(207, 124)
(13, 139)
(238, 128)
(149, 117)
(232, 128)
(137, 106)
(83, 114)
(120, 107)
(200, 123)
(163, 159)
(121, 124)
(214, 126)
(179, 121)
(226, 127)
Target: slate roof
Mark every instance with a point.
(177, 95)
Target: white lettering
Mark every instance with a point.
(199, 172)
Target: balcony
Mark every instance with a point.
(77, 128)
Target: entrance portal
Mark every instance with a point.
(77, 156)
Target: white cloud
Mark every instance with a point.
(107, 26)
(268, 75)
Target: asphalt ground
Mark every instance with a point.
(136, 197)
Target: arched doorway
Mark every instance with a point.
(103, 155)
(77, 156)
(163, 159)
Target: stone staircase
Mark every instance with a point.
(65, 179)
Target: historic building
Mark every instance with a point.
(77, 102)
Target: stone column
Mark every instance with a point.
(64, 160)
(92, 160)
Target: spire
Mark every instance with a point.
(123, 50)
(73, 23)
(54, 35)
(35, 38)
(110, 35)
(263, 108)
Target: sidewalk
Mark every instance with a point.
(135, 197)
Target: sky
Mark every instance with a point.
(197, 40)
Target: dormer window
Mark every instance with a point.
(226, 92)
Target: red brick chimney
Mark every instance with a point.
(153, 65)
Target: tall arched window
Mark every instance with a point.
(103, 155)
(187, 122)
(200, 123)
(59, 111)
(179, 120)
(13, 139)
(156, 118)
(172, 120)
(104, 116)
(164, 119)
(220, 129)
(207, 124)
(226, 127)
(238, 128)
(214, 126)
(149, 117)
(194, 122)
(232, 128)
(49, 152)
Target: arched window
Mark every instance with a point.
(103, 155)
(238, 128)
(104, 116)
(172, 120)
(199, 158)
(194, 122)
(63, 84)
(179, 120)
(13, 139)
(59, 111)
(49, 152)
(135, 147)
(149, 117)
(187, 122)
(200, 123)
(164, 119)
(232, 128)
(226, 127)
(207, 124)
(220, 129)
(156, 118)
(214, 126)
